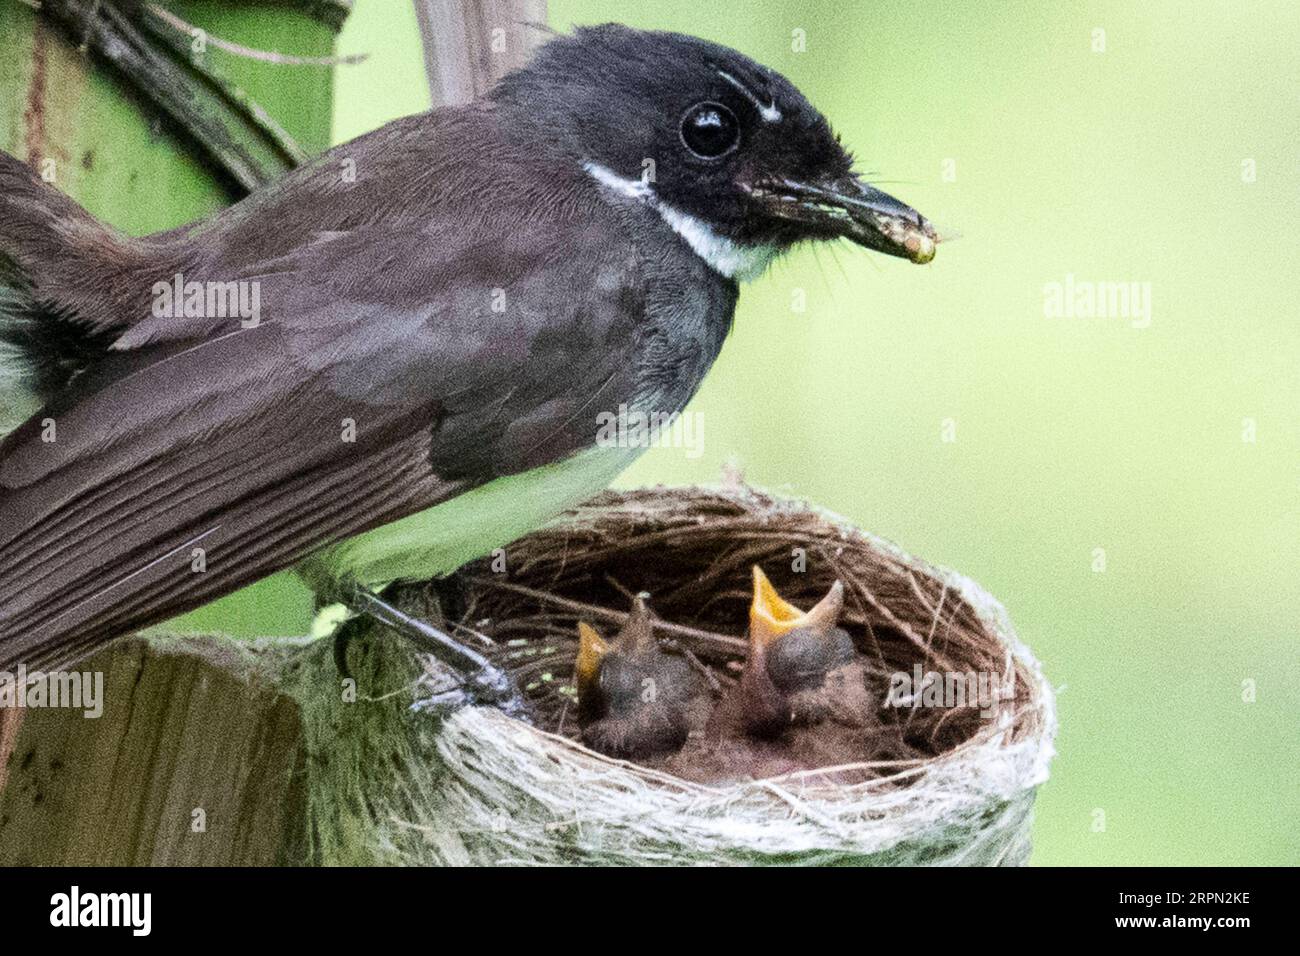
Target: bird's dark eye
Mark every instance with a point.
(710, 130)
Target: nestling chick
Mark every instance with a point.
(802, 669)
(631, 694)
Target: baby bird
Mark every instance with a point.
(632, 696)
(802, 669)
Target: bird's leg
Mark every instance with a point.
(482, 682)
(446, 703)
(343, 634)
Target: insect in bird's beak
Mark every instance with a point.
(771, 616)
(852, 209)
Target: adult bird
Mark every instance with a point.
(632, 695)
(451, 307)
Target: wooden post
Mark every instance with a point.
(470, 44)
(196, 759)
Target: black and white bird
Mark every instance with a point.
(447, 307)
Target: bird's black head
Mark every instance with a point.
(802, 658)
(729, 150)
(629, 673)
(795, 648)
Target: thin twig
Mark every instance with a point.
(247, 52)
(701, 668)
(732, 645)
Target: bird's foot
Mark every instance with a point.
(446, 703)
(482, 682)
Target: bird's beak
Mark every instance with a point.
(848, 207)
(592, 649)
(637, 635)
(771, 616)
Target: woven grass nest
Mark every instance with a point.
(943, 785)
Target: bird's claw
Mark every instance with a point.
(444, 704)
(481, 681)
(495, 688)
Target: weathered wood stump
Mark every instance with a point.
(211, 751)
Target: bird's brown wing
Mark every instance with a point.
(182, 470)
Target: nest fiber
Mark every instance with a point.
(945, 785)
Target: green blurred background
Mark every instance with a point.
(1071, 434)
(1003, 122)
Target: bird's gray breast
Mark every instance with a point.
(689, 310)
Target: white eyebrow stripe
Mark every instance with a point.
(769, 112)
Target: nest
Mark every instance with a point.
(944, 784)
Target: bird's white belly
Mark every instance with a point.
(440, 539)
